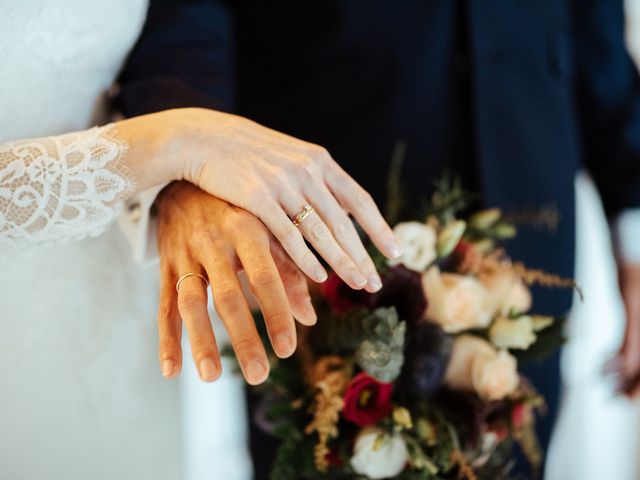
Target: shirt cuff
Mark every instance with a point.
(139, 225)
(626, 236)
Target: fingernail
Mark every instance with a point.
(320, 274)
(375, 282)
(208, 369)
(255, 370)
(168, 368)
(358, 279)
(394, 250)
(284, 343)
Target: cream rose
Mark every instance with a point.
(379, 455)
(513, 333)
(417, 243)
(508, 291)
(476, 365)
(456, 302)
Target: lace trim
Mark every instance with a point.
(62, 188)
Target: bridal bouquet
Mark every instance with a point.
(419, 380)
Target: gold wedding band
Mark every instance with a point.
(202, 277)
(306, 211)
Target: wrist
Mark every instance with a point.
(151, 141)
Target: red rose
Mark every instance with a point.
(340, 297)
(366, 400)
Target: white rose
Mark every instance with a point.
(513, 333)
(476, 365)
(378, 455)
(456, 302)
(508, 291)
(417, 243)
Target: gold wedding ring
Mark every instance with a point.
(306, 211)
(202, 277)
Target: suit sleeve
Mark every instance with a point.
(184, 58)
(608, 89)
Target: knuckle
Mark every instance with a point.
(344, 262)
(261, 277)
(165, 312)
(257, 196)
(290, 236)
(168, 345)
(362, 199)
(201, 345)
(242, 223)
(200, 237)
(191, 299)
(344, 227)
(277, 178)
(319, 154)
(276, 317)
(226, 296)
(319, 232)
(308, 259)
(245, 344)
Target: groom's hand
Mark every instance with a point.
(200, 234)
(629, 355)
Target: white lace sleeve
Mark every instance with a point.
(61, 188)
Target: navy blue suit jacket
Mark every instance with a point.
(548, 88)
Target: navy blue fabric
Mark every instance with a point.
(536, 90)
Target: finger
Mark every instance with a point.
(344, 232)
(169, 326)
(359, 203)
(192, 304)
(264, 280)
(295, 285)
(232, 307)
(276, 220)
(319, 235)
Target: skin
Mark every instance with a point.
(627, 363)
(203, 234)
(269, 174)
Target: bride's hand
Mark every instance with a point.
(273, 176)
(198, 233)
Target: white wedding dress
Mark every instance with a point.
(81, 396)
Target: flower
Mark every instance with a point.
(366, 401)
(378, 455)
(401, 289)
(476, 365)
(418, 245)
(402, 417)
(340, 297)
(427, 355)
(450, 237)
(508, 291)
(456, 302)
(515, 333)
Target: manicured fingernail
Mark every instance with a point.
(320, 274)
(394, 250)
(168, 368)
(208, 369)
(255, 370)
(284, 343)
(358, 279)
(375, 282)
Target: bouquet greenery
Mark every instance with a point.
(419, 380)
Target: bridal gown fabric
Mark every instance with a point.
(81, 395)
